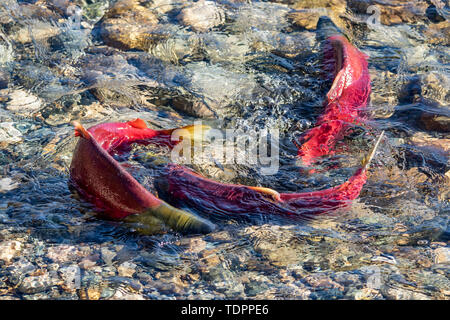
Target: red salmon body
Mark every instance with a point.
(118, 135)
(346, 100)
(103, 181)
(187, 188)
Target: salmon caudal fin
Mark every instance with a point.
(180, 220)
(80, 131)
(368, 159)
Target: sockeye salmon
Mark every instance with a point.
(102, 180)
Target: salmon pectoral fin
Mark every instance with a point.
(267, 191)
(80, 131)
(180, 220)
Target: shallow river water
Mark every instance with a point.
(239, 64)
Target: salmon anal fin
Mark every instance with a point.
(138, 124)
(80, 131)
(267, 191)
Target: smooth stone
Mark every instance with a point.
(35, 284)
(23, 102)
(4, 77)
(126, 269)
(439, 33)
(62, 253)
(435, 86)
(7, 184)
(393, 11)
(130, 25)
(120, 295)
(163, 6)
(9, 135)
(305, 19)
(435, 122)
(108, 255)
(201, 16)
(425, 140)
(9, 250)
(442, 255)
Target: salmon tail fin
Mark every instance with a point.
(180, 220)
(368, 159)
(80, 131)
(267, 191)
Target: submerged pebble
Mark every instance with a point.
(201, 15)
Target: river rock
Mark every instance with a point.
(63, 253)
(4, 77)
(108, 255)
(7, 184)
(442, 255)
(393, 11)
(217, 87)
(223, 48)
(38, 283)
(425, 140)
(6, 53)
(193, 245)
(435, 122)
(304, 19)
(130, 25)
(9, 249)
(163, 6)
(322, 282)
(209, 257)
(278, 245)
(71, 277)
(121, 295)
(126, 269)
(23, 102)
(307, 13)
(88, 262)
(383, 99)
(435, 86)
(38, 31)
(38, 26)
(9, 135)
(260, 17)
(114, 81)
(439, 33)
(201, 16)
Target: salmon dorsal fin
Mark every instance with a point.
(80, 131)
(138, 124)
